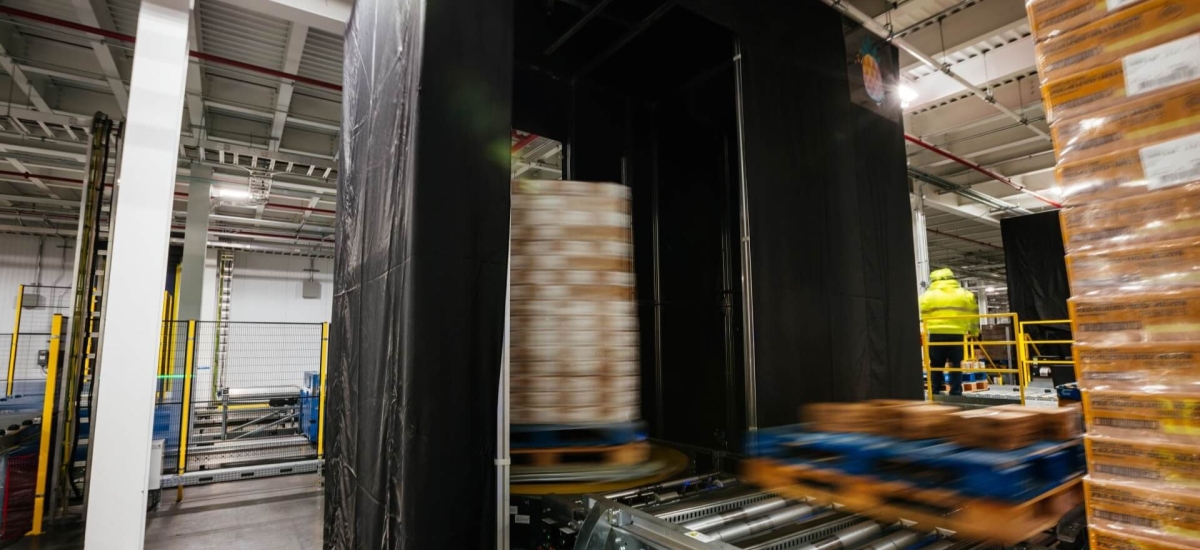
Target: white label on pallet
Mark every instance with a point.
(1162, 66)
(699, 536)
(521, 519)
(1172, 163)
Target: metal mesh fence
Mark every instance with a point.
(168, 412)
(28, 369)
(254, 394)
(39, 305)
(5, 349)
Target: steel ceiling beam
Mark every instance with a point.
(883, 32)
(89, 15)
(327, 15)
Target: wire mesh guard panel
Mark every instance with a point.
(254, 394)
(168, 412)
(40, 304)
(5, 349)
(29, 369)
(18, 476)
(574, 337)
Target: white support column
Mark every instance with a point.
(195, 242)
(124, 409)
(920, 240)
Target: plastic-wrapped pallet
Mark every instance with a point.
(574, 340)
(1121, 84)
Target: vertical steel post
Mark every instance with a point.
(12, 346)
(45, 444)
(321, 407)
(185, 413)
(747, 279)
(925, 361)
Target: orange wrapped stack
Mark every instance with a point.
(1121, 84)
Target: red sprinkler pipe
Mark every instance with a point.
(520, 144)
(198, 55)
(981, 170)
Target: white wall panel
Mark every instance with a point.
(18, 266)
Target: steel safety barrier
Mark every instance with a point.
(971, 348)
(1030, 344)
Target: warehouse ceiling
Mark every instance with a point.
(249, 115)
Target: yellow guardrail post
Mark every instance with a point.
(321, 410)
(44, 445)
(925, 361)
(186, 412)
(969, 352)
(12, 346)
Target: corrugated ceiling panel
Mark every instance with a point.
(250, 37)
(322, 57)
(124, 15)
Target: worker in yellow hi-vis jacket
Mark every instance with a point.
(940, 305)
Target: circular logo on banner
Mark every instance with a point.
(873, 78)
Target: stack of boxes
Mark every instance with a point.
(1121, 83)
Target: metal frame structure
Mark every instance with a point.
(1029, 364)
(12, 348)
(968, 346)
(46, 445)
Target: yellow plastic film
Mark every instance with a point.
(1155, 464)
(1166, 516)
(1156, 118)
(1142, 415)
(1156, 267)
(1148, 218)
(1050, 18)
(1116, 35)
(1132, 367)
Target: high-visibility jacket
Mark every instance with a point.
(946, 298)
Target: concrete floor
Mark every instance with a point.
(262, 514)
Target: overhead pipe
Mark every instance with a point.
(1019, 187)
(961, 238)
(523, 142)
(14, 12)
(887, 34)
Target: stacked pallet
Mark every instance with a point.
(574, 338)
(1121, 83)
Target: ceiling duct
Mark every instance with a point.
(256, 192)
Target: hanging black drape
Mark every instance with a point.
(419, 286)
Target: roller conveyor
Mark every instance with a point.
(748, 511)
(758, 524)
(848, 537)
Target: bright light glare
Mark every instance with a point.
(227, 193)
(907, 94)
(990, 289)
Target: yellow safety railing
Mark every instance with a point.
(186, 410)
(48, 400)
(969, 347)
(12, 347)
(1030, 344)
(321, 407)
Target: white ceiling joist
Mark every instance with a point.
(328, 15)
(291, 64)
(96, 15)
(981, 70)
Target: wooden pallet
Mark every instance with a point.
(632, 453)
(998, 521)
(975, 386)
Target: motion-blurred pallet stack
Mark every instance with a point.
(574, 338)
(1121, 84)
(1001, 473)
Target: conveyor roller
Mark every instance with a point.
(747, 527)
(849, 537)
(730, 516)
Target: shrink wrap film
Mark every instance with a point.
(1131, 367)
(1055, 424)
(1145, 120)
(1156, 267)
(1133, 508)
(1049, 18)
(1132, 172)
(573, 313)
(1106, 539)
(1144, 71)
(1116, 35)
(1001, 430)
(1155, 464)
(1134, 317)
(1148, 218)
(1143, 415)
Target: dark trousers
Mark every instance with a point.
(939, 355)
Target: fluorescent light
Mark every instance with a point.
(228, 193)
(990, 289)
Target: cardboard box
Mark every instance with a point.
(1152, 217)
(884, 412)
(1132, 318)
(1054, 424)
(1134, 366)
(1173, 417)
(1122, 174)
(1154, 118)
(1173, 466)
(1048, 18)
(1105, 539)
(1141, 72)
(1133, 508)
(1001, 430)
(926, 422)
(839, 417)
(1156, 267)
(1120, 33)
